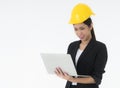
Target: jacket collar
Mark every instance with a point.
(86, 50)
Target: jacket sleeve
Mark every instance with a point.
(69, 48)
(99, 65)
(68, 82)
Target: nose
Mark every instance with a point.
(79, 32)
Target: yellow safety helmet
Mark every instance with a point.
(80, 13)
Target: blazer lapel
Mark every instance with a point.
(75, 51)
(87, 49)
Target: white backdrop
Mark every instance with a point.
(28, 27)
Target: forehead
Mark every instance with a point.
(79, 25)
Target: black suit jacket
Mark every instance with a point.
(91, 62)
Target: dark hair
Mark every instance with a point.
(88, 23)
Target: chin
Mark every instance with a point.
(84, 39)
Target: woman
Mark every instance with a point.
(88, 54)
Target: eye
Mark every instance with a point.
(75, 29)
(82, 28)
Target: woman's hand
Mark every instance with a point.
(62, 74)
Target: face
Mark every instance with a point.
(83, 31)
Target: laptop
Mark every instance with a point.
(64, 61)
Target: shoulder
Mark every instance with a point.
(102, 49)
(74, 43)
(100, 45)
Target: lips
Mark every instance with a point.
(81, 37)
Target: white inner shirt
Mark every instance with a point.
(78, 55)
(79, 52)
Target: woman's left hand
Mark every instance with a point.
(62, 74)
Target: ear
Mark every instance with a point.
(91, 26)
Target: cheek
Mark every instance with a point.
(76, 32)
(86, 32)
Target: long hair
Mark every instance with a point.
(88, 23)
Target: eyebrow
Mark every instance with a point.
(82, 26)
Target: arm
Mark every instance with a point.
(64, 75)
(86, 80)
(99, 65)
(96, 75)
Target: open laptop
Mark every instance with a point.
(64, 61)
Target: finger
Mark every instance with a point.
(57, 69)
(60, 70)
(57, 72)
(66, 73)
